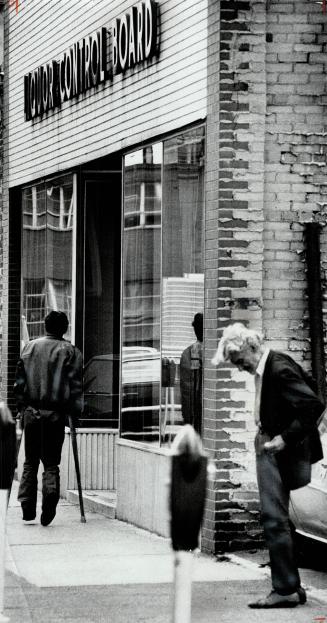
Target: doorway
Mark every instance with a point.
(101, 297)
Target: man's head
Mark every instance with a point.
(197, 325)
(56, 323)
(241, 346)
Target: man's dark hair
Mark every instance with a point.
(56, 323)
(197, 325)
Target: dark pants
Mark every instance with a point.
(44, 436)
(274, 501)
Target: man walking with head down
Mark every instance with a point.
(287, 443)
(48, 387)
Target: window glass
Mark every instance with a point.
(33, 262)
(140, 360)
(163, 288)
(60, 205)
(46, 253)
(182, 282)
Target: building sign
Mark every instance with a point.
(132, 39)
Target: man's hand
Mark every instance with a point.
(275, 445)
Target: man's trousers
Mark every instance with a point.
(44, 433)
(274, 501)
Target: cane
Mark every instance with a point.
(76, 461)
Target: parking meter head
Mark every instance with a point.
(188, 487)
(187, 442)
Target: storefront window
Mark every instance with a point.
(140, 360)
(163, 288)
(47, 244)
(182, 281)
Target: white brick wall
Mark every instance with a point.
(295, 173)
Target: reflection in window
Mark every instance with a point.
(60, 204)
(46, 253)
(163, 287)
(141, 295)
(182, 281)
(34, 210)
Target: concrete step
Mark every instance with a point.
(103, 502)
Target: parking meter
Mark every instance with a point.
(7, 468)
(188, 487)
(168, 372)
(187, 496)
(7, 447)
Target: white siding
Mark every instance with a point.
(145, 102)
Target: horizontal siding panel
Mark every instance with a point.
(86, 138)
(154, 99)
(132, 125)
(37, 169)
(138, 99)
(81, 126)
(175, 44)
(173, 17)
(171, 71)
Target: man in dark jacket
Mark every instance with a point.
(48, 387)
(191, 377)
(286, 411)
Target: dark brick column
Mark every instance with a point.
(234, 256)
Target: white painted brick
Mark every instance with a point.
(293, 78)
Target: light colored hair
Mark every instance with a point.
(234, 339)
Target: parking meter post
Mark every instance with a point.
(7, 467)
(183, 564)
(187, 497)
(3, 513)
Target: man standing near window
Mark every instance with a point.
(48, 387)
(191, 377)
(286, 411)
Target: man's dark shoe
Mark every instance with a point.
(49, 509)
(302, 595)
(29, 513)
(275, 600)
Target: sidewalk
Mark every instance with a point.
(106, 570)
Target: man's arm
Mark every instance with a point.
(20, 385)
(75, 375)
(301, 401)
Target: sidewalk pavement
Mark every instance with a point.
(107, 570)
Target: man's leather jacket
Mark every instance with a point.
(49, 376)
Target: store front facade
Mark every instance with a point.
(110, 208)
